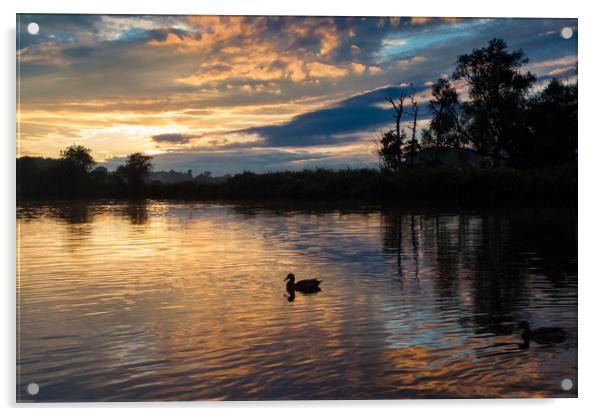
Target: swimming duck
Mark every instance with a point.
(303, 286)
(550, 335)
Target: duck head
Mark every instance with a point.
(290, 277)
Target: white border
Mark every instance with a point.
(590, 152)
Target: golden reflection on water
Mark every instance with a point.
(165, 301)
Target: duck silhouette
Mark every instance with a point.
(302, 286)
(545, 335)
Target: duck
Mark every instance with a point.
(303, 286)
(546, 335)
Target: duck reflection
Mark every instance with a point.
(291, 294)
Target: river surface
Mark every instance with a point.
(156, 300)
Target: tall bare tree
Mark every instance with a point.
(413, 145)
(398, 104)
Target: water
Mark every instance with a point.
(186, 301)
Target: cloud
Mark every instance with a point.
(171, 36)
(46, 53)
(258, 65)
(174, 138)
(553, 64)
(334, 124)
(414, 59)
(569, 70)
(394, 42)
(358, 68)
(420, 20)
(446, 20)
(320, 70)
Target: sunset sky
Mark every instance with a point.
(227, 94)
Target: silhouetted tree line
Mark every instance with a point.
(74, 174)
(66, 178)
(503, 119)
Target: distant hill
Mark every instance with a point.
(170, 177)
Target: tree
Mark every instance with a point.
(427, 139)
(498, 89)
(445, 108)
(551, 138)
(446, 125)
(390, 148)
(413, 146)
(394, 148)
(394, 140)
(78, 157)
(73, 169)
(136, 169)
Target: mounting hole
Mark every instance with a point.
(33, 389)
(566, 33)
(566, 384)
(33, 28)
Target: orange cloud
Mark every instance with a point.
(329, 40)
(310, 26)
(46, 53)
(359, 68)
(423, 19)
(374, 70)
(558, 71)
(544, 65)
(212, 30)
(256, 65)
(415, 59)
(419, 20)
(320, 70)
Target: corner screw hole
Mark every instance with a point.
(33, 28)
(33, 389)
(566, 33)
(566, 384)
